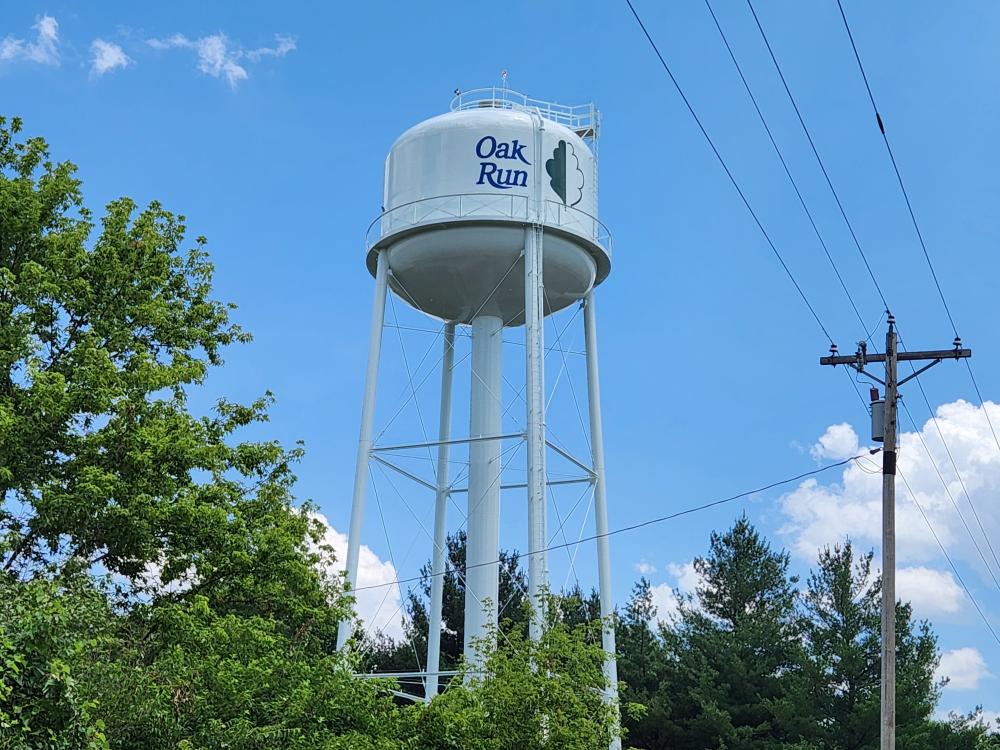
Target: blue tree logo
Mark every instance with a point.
(565, 175)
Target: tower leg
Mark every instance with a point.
(440, 516)
(365, 438)
(600, 503)
(483, 540)
(534, 334)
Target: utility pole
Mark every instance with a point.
(884, 428)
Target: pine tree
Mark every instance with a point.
(643, 668)
(843, 626)
(409, 653)
(739, 650)
(842, 608)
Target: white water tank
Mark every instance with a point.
(462, 188)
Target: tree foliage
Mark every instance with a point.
(407, 653)
(752, 662)
(533, 696)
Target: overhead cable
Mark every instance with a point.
(641, 524)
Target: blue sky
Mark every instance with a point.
(267, 128)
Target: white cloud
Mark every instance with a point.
(931, 592)
(666, 602)
(840, 441)
(817, 514)
(379, 608)
(215, 56)
(665, 599)
(991, 718)
(285, 45)
(106, 56)
(964, 668)
(44, 49)
(220, 58)
(149, 580)
(687, 577)
(644, 568)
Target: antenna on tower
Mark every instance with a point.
(503, 79)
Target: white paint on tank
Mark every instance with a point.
(460, 190)
(482, 163)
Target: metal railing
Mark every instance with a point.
(583, 119)
(475, 206)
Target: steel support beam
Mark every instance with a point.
(400, 470)
(534, 333)
(522, 485)
(601, 506)
(453, 441)
(570, 457)
(483, 517)
(440, 552)
(365, 438)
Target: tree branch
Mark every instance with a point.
(21, 547)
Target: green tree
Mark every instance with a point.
(576, 607)
(531, 696)
(386, 654)
(188, 674)
(843, 625)
(100, 338)
(842, 606)
(49, 628)
(207, 619)
(738, 650)
(959, 732)
(644, 668)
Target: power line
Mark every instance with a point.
(767, 237)
(729, 173)
(895, 167)
(982, 405)
(815, 151)
(874, 280)
(934, 276)
(947, 490)
(794, 184)
(641, 524)
(784, 164)
(850, 228)
(879, 290)
(961, 481)
(944, 551)
(913, 218)
(740, 191)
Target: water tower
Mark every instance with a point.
(490, 221)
